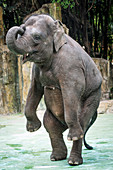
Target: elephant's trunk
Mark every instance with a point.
(13, 42)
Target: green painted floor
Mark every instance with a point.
(21, 150)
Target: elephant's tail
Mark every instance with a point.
(91, 123)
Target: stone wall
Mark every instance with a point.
(9, 77)
(107, 83)
(9, 87)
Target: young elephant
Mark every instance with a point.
(66, 75)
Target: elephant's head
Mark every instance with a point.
(37, 39)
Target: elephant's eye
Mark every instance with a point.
(36, 37)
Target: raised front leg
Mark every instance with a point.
(55, 129)
(33, 99)
(72, 90)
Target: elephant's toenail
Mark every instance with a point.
(52, 159)
(81, 136)
(76, 163)
(75, 138)
(69, 138)
(35, 129)
(70, 162)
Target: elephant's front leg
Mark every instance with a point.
(76, 153)
(33, 99)
(72, 121)
(71, 92)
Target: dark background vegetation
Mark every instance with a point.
(90, 22)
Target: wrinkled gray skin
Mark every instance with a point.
(65, 74)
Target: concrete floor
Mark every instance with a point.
(20, 150)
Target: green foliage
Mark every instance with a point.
(65, 3)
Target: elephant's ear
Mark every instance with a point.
(58, 39)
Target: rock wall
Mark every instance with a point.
(9, 87)
(9, 77)
(106, 106)
(105, 69)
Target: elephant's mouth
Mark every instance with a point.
(32, 57)
(28, 56)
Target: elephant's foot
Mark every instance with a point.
(58, 155)
(75, 133)
(75, 160)
(33, 125)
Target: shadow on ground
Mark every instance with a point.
(21, 150)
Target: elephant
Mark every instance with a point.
(67, 77)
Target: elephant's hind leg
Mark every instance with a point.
(89, 112)
(55, 130)
(90, 124)
(76, 153)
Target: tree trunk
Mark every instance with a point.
(1, 27)
(83, 12)
(106, 28)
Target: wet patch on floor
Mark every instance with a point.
(101, 142)
(14, 145)
(4, 157)
(2, 126)
(28, 167)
